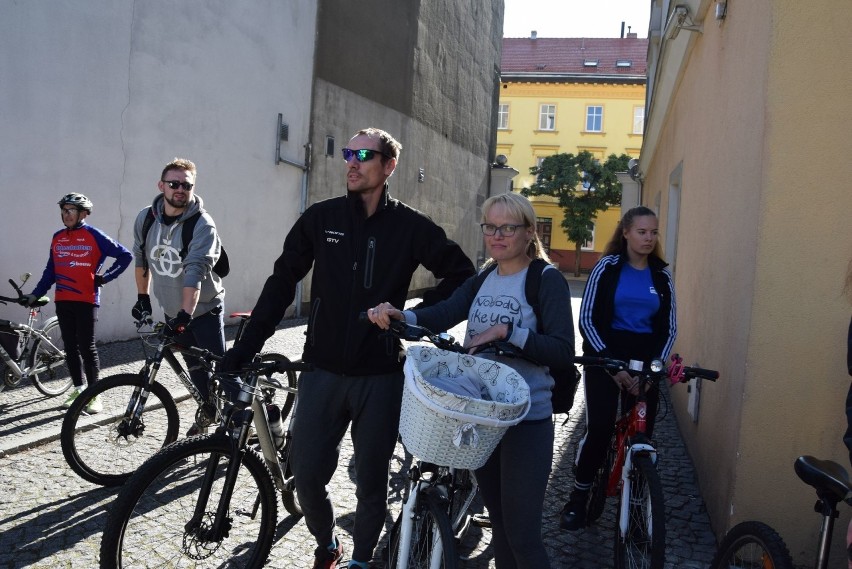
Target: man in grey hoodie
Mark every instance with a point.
(184, 283)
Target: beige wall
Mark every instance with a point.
(758, 129)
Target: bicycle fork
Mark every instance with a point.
(410, 512)
(627, 483)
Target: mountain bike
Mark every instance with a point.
(629, 470)
(211, 500)
(755, 544)
(437, 507)
(140, 415)
(31, 351)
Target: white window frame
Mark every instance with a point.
(503, 116)
(547, 116)
(589, 245)
(594, 112)
(639, 120)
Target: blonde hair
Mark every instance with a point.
(518, 206)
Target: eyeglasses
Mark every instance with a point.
(505, 230)
(173, 184)
(362, 155)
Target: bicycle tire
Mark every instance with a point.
(429, 525)
(288, 378)
(752, 544)
(102, 448)
(56, 380)
(160, 499)
(597, 495)
(644, 544)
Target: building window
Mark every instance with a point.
(638, 120)
(544, 228)
(590, 244)
(594, 119)
(547, 117)
(503, 116)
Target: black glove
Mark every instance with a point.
(178, 324)
(99, 281)
(28, 300)
(142, 308)
(236, 358)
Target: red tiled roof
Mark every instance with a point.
(568, 55)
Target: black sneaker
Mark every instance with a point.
(325, 558)
(573, 514)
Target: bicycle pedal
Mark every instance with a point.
(480, 520)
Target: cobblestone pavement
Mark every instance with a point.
(49, 517)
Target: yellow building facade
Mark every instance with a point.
(552, 101)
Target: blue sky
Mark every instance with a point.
(575, 18)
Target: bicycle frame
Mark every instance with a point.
(18, 367)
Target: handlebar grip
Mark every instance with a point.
(362, 316)
(710, 374)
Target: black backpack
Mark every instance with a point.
(566, 380)
(222, 266)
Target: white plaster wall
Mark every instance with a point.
(97, 96)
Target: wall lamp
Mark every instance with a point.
(680, 20)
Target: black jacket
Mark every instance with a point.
(598, 306)
(357, 263)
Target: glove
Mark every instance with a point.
(142, 308)
(236, 358)
(29, 300)
(99, 281)
(177, 324)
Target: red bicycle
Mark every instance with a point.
(629, 470)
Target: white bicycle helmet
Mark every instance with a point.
(78, 200)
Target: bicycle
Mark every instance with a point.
(140, 414)
(31, 351)
(756, 544)
(210, 499)
(629, 470)
(437, 507)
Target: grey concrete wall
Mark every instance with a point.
(428, 74)
(97, 96)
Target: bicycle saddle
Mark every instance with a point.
(829, 478)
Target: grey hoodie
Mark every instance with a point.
(170, 274)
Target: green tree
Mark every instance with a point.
(583, 187)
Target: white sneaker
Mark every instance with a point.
(94, 406)
(71, 397)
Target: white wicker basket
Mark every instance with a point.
(448, 429)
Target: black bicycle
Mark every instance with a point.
(140, 416)
(211, 500)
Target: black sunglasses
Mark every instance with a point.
(173, 184)
(362, 155)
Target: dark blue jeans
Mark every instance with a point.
(206, 331)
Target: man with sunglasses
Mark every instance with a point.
(363, 248)
(77, 255)
(184, 283)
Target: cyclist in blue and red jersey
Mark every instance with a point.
(77, 254)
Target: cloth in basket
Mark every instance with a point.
(441, 423)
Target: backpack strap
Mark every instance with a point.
(146, 227)
(187, 232)
(483, 274)
(532, 284)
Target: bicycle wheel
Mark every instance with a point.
(288, 378)
(597, 495)
(51, 375)
(150, 524)
(754, 545)
(106, 448)
(432, 543)
(644, 543)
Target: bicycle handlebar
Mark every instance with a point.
(676, 372)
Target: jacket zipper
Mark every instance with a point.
(369, 262)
